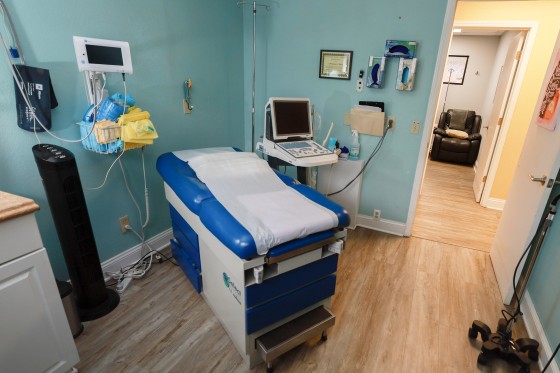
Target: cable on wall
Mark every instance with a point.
(373, 154)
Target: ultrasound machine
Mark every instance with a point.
(288, 135)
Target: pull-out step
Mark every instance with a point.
(282, 339)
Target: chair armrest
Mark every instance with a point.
(442, 120)
(475, 136)
(477, 123)
(473, 152)
(436, 144)
(439, 131)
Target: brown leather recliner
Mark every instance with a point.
(451, 149)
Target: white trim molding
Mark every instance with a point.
(495, 204)
(158, 242)
(382, 225)
(536, 331)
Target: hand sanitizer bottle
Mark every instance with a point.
(355, 147)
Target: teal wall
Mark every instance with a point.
(543, 284)
(289, 40)
(170, 41)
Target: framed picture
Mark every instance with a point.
(548, 112)
(455, 69)
(335, 64)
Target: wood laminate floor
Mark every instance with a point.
(401, 305)
(447, 211)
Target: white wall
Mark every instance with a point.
(472, 94)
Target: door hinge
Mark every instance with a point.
(518, 55)
(500, 121)
(484, 178)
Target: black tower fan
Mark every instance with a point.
(57, 167)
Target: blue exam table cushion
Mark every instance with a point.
(197, 197)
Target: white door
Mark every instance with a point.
(527, 199)
(491, 125)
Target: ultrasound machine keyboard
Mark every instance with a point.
(300, 149)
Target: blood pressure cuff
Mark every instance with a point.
(38, 87)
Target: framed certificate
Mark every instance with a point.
(335, 64)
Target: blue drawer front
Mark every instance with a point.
(187, 237)
(279, 308)
(188, 267)
(289, 281)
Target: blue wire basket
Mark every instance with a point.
(104, 140)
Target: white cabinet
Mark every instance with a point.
(34, 332)
(335, 177)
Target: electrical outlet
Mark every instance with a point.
(393, 122)
(415, 128)
(377, 214)
(360, 85)
(123, 222)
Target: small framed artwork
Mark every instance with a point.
(455, 69)
(548, 112)
(335, 64)
(400, 48)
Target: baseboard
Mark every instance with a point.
(536, 331)
(382, 225)
(131, 256)
(495, 204)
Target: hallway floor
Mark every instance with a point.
(447, 211)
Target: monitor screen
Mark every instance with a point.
(104, 55)
(100, 55)
(291, 118)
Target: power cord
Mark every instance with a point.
(546, 221)
(500, 344)
(551, 358)
(141, 267)
(373, 153)
(19, 81)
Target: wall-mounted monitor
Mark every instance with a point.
(102, 55)
(291, 118)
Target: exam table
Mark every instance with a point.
(268, 303)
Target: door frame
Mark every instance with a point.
(530, 27)
(506, 81)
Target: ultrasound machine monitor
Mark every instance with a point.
(291, 118)
(289, 133)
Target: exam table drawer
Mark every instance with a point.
(185, 235)
(279, 308)
(187, 265)
(276, 286)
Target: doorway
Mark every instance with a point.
(448, 209)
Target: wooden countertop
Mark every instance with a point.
(12, 206)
